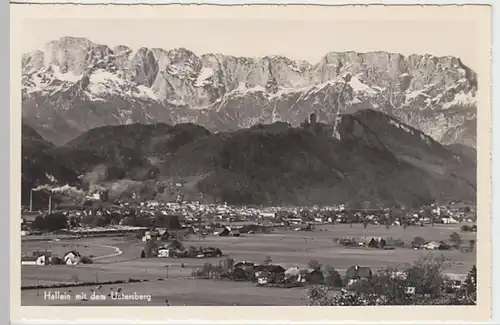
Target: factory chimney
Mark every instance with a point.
(31, 200)
(50, 203)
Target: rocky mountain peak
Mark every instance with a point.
(436, 95)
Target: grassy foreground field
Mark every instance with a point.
(288, 248)
(180, 292)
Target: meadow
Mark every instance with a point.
(168, 280)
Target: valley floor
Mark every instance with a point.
(286, 248)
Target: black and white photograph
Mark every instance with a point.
(251, 161)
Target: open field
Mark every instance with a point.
(181, 292)
(59, 248)
(287, 248)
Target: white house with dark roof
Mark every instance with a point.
(35, 260)
(72, 258)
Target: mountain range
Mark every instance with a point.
(74, 85)
(377, 159)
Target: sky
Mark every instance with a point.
(297, 39)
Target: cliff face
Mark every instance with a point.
(74, 85)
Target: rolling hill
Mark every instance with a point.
(377, 158)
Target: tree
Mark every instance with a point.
(268, 260)
(55, 221)
(51, 222)
(57, 260)
(228, 264)
(318, 296)
(207, 270)
(173, 222)
(426, 275)
(192, 251)
(465, 228)
(150, 248)
(456, 240)
(472, 243)
(471, 281)
(73, 222)
(332, 277)
(467, 294)
(418, 241)
(38, 223)
(397, 213)
(160, 220)
(86, 260)
(314, 264)
(427, 213)
(389, 287)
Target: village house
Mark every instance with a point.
(36, 260)
(224, 232)
(29, 260)
(243, 269)
(304, 275)
(314, 276)
(269, 274)
(241, 274)
(165, 252)
(293, 273)
(356, 273)
(72, 258)
(449, 220)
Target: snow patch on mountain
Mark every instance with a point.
(148, 93)
(462, 99)
(417, 89)
(283, 92)
(181, 71)
(68, 76)
(358, 86)
(204, 76)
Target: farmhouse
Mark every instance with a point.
(243, 270)
(304, 275)
(224, 232)
(165, 252)
(449, 220)
(245, 264)
(240, 274)
(294, 272)
(269, 273)
(431, 245)
(358, 272)
(72, 258)
(31, 260)
(314, 276)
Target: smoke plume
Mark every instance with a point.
(66, 189)
(42, 187)
(97, 175)
(124, 187)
